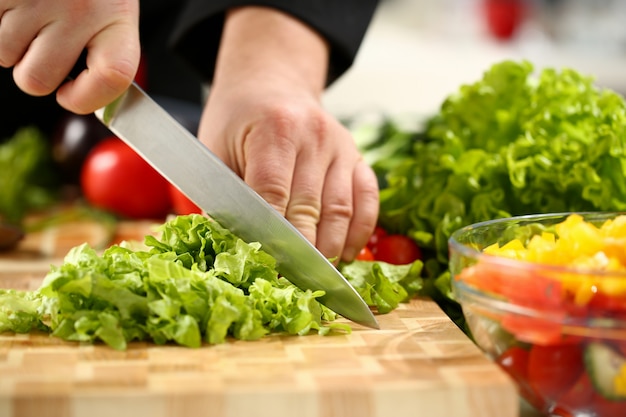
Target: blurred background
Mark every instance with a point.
(417, 52)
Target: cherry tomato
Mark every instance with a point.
(378, 233)
(514, 361)
(181, 204)
(579, 397)
(503, 17)
(584, 399)
(365, 255)
(115, 178)
(553, 369)
(396, 249)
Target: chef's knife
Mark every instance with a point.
(181, 158)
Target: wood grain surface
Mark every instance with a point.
(418, 363)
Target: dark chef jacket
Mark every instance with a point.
(180, 42)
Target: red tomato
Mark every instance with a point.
(583, 399)
(379, 232)
(552, 370)
(608, 408)
(579, 397)
(365, 255)
(503, 17)
(115, 178)
(514, 361)
(181, 204)
(396, 249)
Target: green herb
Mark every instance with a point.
(28, 179)
(197, 283)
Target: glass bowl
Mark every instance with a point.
(544, 296)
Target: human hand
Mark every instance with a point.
(42, 40)
(266, 122)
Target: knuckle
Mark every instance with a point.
(30, 82)
(305, 217)
(275, 194)
(304, 209)
(370, 194)
(286, 120)
(283, 119)
(340, 208)
(117, 75)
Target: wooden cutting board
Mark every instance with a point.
(418, 363)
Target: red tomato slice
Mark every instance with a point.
(553, 370)
(115, 178)
(536, 330)
(521, 286)
(397, 250)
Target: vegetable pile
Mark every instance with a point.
(196, 283)
(561, 335)
(512, 143)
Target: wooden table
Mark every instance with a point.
(418, 363)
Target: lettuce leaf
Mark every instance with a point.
(28, 179)
(514, 142)
(384, 285)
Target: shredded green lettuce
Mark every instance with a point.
(197, 283)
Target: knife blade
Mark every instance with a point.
(207, 181)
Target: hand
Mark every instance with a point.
(265, 120)
(42, 40)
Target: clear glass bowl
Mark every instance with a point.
(558, 330)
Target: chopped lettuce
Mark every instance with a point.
(514, 142)
(384, 285)
(196, 283)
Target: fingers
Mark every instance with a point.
(323, 188)
(337, 210)
(286, 177)
(17, 31)
(112, 61)
(366, 206)
(268, 165)
(349, 209)
(42, 40)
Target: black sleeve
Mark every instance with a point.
(342, 22)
